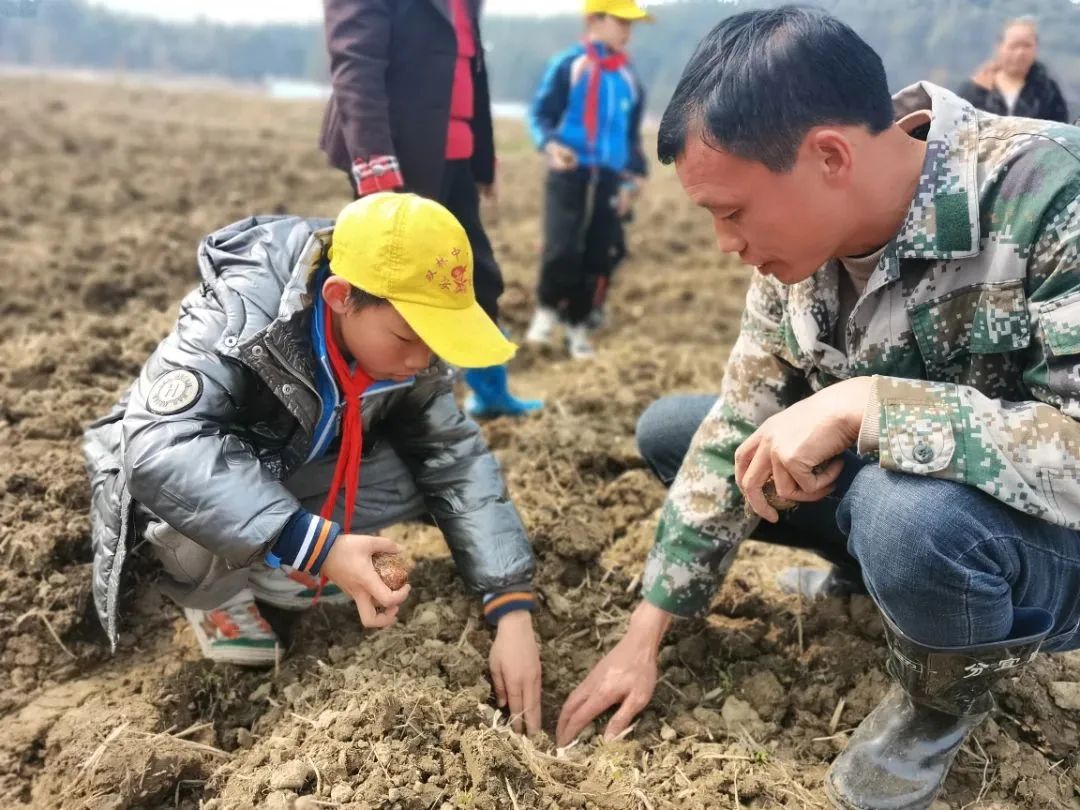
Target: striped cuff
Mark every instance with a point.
(380, 173)
(870, 430)
(497, 605)
(304, 543)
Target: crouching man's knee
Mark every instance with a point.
(665, 429)
(910, 535)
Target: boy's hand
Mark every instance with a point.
(515, 670)
(628, 194)
(560, 158)
(349, 566)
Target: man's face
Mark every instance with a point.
(382, 343)
(785, 225)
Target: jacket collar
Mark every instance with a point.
(288, 334)
(295, 298)
(280, 353)
(943, 219)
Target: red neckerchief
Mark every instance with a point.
(347, 470)
(597, 65)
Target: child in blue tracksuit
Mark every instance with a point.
(586, 117)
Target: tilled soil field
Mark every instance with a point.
(105, 191)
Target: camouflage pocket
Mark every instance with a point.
(1060, 322)
(983, 319)
(919, 437)
(1058, 487)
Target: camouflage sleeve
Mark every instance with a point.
(703, 520)
(1025, 454)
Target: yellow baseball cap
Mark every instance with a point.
(414, 253)
(623, 9)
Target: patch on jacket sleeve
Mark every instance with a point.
(174, 391)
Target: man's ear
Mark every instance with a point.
(335, 292)
(832, 153)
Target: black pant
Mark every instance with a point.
(461, 198)
(581, 231)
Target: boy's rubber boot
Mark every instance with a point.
(491, 395)
(899, 756)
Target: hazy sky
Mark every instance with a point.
(296, 10)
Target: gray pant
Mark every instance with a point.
(194, 577)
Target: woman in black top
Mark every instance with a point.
(1013, 82)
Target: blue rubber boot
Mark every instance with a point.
(492, 398)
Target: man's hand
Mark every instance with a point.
(349, 566)
(560, 158)
(986, 75)
(515, 670)
(626, 675)
(798, 447)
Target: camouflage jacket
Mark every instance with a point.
(970, 321)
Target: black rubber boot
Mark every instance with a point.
(814, 583)
(899, 756)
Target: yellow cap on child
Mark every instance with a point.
(623, 9)
(415, 254)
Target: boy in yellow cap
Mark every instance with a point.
(301, 403)
(586, 118)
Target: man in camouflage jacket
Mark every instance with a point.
(907, 374)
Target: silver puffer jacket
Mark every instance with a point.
(214, 470)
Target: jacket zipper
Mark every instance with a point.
(290, 368)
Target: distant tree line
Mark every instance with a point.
(940, 40)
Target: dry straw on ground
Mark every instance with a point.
(104, 192)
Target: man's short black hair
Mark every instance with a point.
(760, 80)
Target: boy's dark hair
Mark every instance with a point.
(358, 299)
(760, 80)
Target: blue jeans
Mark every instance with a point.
(944, 561)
